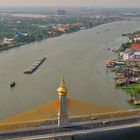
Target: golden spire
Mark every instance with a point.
(62, 83)
(62, 90)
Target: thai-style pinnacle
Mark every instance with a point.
(62, 90)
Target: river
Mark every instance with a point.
(79, 56)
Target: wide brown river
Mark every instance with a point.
(79, 56)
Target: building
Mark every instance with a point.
(133, 53)
(137, 35)
(136, 99)
(135, 47)
(61, 12)
(126, 54)
(8, 41)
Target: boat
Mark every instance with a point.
(12, 84)
(120, 62)
(35, 65)
(126, 34)
(107, 29)
(110, 63)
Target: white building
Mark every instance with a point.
(8, 41)
(126, 54)
(135, 55)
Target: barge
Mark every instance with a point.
(126, 34)
(35, 65)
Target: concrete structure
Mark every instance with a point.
(8, 41)
(136, 99)
(62, 114)
(131, 54)
(136, 55)
(107, 126)
(126, 54)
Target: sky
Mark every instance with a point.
(70, 3)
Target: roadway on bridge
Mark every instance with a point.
(76, 125)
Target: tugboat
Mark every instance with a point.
(12, 84)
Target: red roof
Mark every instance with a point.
(137, 35)
(135, 46)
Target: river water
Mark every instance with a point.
(79, 56)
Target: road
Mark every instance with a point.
(76, 125)
(80, 132)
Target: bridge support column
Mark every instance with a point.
(62, 114)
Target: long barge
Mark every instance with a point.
(35, 65)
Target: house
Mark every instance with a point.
(136, 98)
(126, 54)
(135, 38)
(8, 41)
(137, 35)
(133, 53)
(135, 47)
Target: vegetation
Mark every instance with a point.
(124, 46)
(73, 29)
(25, 30)
(131, 88)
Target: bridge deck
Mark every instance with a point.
(77, 125)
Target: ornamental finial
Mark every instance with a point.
(62, 90)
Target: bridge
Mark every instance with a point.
(66, 118)
(95, 123)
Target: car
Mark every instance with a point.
(94, 118)
(105, 122)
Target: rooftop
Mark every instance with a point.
(135, 46)
(128, 51)
(136, 53)
(137, 35)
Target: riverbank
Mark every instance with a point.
(10, 47)
(127, 67)
(22, 38)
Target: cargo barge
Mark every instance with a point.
(35, 65)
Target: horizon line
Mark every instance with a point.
(87, 7)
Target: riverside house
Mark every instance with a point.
(133, 53)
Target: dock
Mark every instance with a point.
(35, 65)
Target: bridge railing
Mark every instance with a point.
(124, 113)
(21, 125)
(36, 123)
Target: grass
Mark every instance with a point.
(130, 89)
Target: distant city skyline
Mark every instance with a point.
(70, 3)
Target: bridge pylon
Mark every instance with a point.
(62, 114)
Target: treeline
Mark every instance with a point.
(26, 30)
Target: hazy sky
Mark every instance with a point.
(90, 3)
